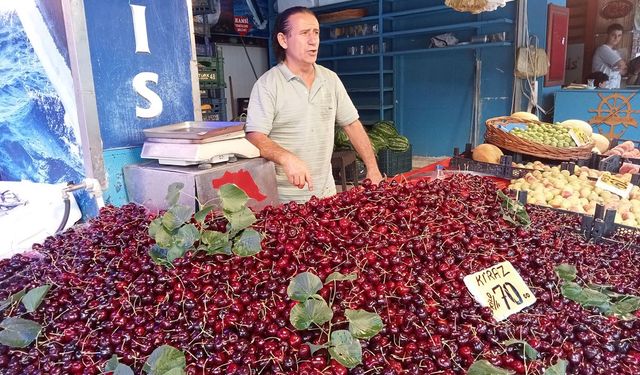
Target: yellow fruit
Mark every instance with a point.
(525, 116)
(578, 124)
(602, 143)
(487, 153)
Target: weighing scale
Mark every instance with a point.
(197, 142)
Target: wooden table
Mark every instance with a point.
(343, 159)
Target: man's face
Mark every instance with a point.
(614, 37)
(302, 41)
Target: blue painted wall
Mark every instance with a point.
(435, 90)
(115, 63)
(537, 15)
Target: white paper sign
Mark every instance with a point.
(579, 137)
(501, 288)
(615, 185)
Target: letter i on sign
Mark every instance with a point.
(140, 27)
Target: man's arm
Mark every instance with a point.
(295, 169)
(622, 67)
(360, 141)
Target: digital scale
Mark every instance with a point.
(197, 142)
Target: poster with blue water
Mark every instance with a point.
(39, 130)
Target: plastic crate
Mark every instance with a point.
(617, 141)
(218, 111)
(392, 163)
(210, 72)
(464, 162)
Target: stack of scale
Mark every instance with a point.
(197, 143)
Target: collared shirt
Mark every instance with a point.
(301, 121)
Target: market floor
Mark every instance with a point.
(417, 162)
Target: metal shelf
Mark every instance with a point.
(349, 21)
(348, 57)
(373, 107)
(413, 12)
(349, 39)
(364, 72)
(458, 26)
(452, 48)
(370, 89)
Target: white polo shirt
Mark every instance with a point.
(301, 121)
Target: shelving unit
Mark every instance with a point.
(210, 70)
(402, 28)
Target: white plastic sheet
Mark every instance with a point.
(37, 212)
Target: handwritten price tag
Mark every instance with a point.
(501, 288)
(579, 137)
(614, 184)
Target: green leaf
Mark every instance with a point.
(248, 244)
(216, 242)
(593, 298)
(233, 198)
(626, 306)
(175, 371)
(572, 291)
(34, 297)
(116, 368)
(484, 367)
(173, 193)
(176, 216)
(566, 272)
(363, 324)
(513, 211)
(303, 286)
(560, 368)
(111, 364)
(202, 214)
(163, 237)
(310, 311)
(529, 352)
(164, 359)
(15, 297)
(345, 349)
(159, 255)
(154, 226)
(240, 220)
(337, 276)
(314, 348)
(18, 332)
(175, 252)
(187, 235)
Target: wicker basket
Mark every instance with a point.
(507, 141)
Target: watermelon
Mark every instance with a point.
(385, 128)
(398, 143)
(341, 139)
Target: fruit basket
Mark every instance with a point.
(503, 139)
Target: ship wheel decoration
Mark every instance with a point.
(613, 110)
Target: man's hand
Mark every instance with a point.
(297, 172)
(295, 169)
(375, 176)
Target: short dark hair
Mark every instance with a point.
(598, 78)
(282, 25)
(614, 27)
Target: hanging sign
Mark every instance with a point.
(614, 184)
(241, 25)
(500, 288)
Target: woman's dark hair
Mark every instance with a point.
(598, 78)
(614, 27)
(282, 26)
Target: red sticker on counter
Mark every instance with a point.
(241, 24)
(243, 180)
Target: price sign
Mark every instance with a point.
(614, 184)
(579, 137)
(501, 288)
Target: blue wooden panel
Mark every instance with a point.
(613, 113)
(434, 113)
(114, 161)
(115, 63)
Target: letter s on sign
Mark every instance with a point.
(155, 103)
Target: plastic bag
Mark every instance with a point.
(443, 40)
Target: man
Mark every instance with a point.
(607, 59)
(294, 108)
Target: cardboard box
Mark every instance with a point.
(147, 184)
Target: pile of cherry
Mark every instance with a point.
(410, 246)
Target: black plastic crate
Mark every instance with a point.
(506, 170)
(218, 111)
(392, 162)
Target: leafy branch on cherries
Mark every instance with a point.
(608, 302)
(176, 233)
(513, 211)
(311, 309)
(19, 332)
